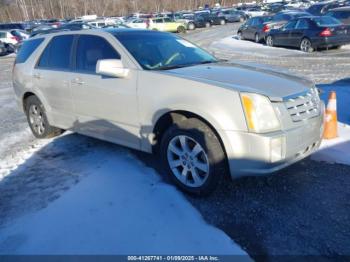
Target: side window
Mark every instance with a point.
(90, 49)
(302, 24)
(290, 25)
(27, 49)
(57, 53)
(167, 20)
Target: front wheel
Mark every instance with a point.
(306, 46)
(37, 119)
(192, 157)
(269, 41)
(191, 26)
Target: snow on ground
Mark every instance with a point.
(252, 48)
(120, 207)
(337, 150)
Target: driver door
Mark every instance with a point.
(105, 107)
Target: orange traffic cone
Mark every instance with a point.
(331, 122)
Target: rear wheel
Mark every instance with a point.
(257, 38)
(37, 120)
(192, 156)
(269, 41)
(306, 45)
(181, 29)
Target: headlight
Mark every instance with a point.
(259, 113)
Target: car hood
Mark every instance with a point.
(277, 85)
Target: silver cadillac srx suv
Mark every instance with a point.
(159, 93)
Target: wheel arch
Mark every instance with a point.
(172, 117)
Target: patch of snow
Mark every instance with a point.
(335, 150)
(120, 207)
(233, 44)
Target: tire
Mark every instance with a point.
(240, 35)
(222, 22)
(181, 29)
(306, 45)
(207, 24)
(37, 119)
(257, 38)
(195, 173)
(269, 41)
(191, 26)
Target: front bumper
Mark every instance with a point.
(252, 154)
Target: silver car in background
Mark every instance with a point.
(159, 93)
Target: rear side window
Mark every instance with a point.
(57, 54)
(27, 48)
(90, 49)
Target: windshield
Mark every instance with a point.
(161, 51)
(326, 21)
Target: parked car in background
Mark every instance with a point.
(233, 15)
(167, 25)
(157, 92)
(11, 26)
(214, 18)
(137, 23)
(3, 49)
(253, 29)
(196, 21)
(310, 33)
(340, 13)
(255, 11)
(322, 7)
(282, 18)
(76, 26)
(10, 40)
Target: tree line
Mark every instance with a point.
(25, 10)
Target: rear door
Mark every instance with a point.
(51, 75)
(301, 28)
(105, 107)
(282, 36)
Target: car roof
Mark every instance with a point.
(343, 8)
(113, 31)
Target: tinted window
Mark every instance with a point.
(57, 53)
(92, 48)
(27, 48)
(302, 24)
(326, 21)
(290, 25)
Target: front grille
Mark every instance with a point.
(304, 106)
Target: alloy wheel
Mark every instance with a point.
(36, 119)
(306, 46)
(269, 41)
(188, 161)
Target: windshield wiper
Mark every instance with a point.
(168, 67)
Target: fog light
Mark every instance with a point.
(277, 146)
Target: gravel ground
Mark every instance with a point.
(302, 210)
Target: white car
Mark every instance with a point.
(137, 23)
(8, 38)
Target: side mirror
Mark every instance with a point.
(111, 67)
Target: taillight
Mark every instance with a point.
(15, 38)
(266, 28)
(326, 32)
